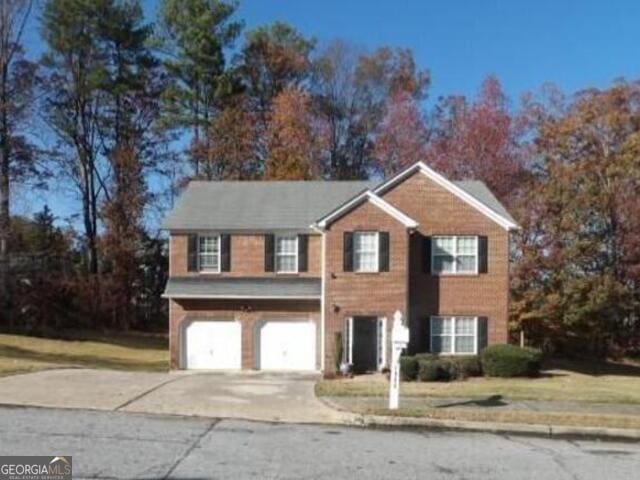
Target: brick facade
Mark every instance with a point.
(247, 257)
(438, 211)
(351, 294)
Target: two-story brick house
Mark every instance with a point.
(284, 275)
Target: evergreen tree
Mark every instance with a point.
(194, 36)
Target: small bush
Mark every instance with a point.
(408, 368)
(469, 366)
(427, 367)
(429, 371)
(511, 361)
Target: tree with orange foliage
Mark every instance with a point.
(230, 150)
(294, 139)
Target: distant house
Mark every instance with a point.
(289, 275)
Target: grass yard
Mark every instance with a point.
(514, 416)
(22, 353)
(566, 381)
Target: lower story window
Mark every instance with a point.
(454, 335)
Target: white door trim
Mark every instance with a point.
(348, 341)
(381, 340)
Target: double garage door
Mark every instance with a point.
(279, 345)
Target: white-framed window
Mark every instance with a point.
(286, 254)
(209, 253)
(365, 252)
(454, 255)
(454, 335)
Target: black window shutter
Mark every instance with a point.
(383, 251)
(483, 254)
(303, 247)
(192, 253)
(348, 252)
(269, 247)
(483, 333)
(225, 241)
(426, 254)
(427, 333)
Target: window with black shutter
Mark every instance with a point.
(303, 248)
(383, 251)
(347, 254)
(426, 254)
(225, 257)
(483, 254)
(192, 253)
(269, 250)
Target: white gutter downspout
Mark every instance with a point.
(323, 257)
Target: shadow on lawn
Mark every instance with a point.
(87, 361)
(491, 401)
(594, 368)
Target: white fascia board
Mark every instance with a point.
(391, 210)
(377, 201)
(451, 187)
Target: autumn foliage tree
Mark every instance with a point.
(402, 137)
(351, 90)
(231, 153)
(295, 138)
(577, 283)
(480, 140)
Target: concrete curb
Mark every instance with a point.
(545, 430)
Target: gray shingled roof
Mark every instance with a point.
(481, 192)
(278, 205)
(225, 287)
(261, 205)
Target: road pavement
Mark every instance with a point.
(123, 445)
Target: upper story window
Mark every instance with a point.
(209, 253)
(454, 335)
(287, 254)
(365, 252)
(454, 255)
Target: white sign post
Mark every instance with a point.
(399, 341)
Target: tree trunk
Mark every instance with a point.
(5, 219)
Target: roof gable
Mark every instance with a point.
(371, 197)
(474, 193)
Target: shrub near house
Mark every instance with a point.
(495, 361)
(511, 361)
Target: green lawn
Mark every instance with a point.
(22, 353)
(566, 381)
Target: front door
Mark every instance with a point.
(365, 344)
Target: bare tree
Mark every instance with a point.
(16, 86)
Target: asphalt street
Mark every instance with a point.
(121, 445)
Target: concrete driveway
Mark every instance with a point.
(248, 395)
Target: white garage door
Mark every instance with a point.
(214, 345)
(288, 345)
